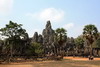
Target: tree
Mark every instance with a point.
(60, 32)
(60, 38)
(90, 33)
(36, 49)
(79, 43)
(13, 32)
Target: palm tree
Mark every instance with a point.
(61, 37)
(90, 32)
(60, 32)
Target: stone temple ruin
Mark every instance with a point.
(48, 40)
(50, 44)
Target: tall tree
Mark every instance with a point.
(60, 37)
(12, 32)
(90, 33)
(61, 33)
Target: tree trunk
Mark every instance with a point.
(91, 51)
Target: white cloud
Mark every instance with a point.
(5, 6)
(68, 26)
(73, 30)
(52, 14)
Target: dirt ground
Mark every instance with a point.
(66, 62)
(80, 58)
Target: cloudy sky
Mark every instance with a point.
(33, 14)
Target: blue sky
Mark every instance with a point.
(72, 15)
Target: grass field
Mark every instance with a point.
(63, 63)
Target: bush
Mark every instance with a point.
(37, 49)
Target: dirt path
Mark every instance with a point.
(63, 63)
(80, 58)
(22, 65)
(67, 62)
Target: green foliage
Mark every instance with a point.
(12, 29)
(61, 34)
(1, 45)
(17, 42)
(13, 33)
(96, 43)
(90, 32)
(37, 48)
(90, 29)
(61, 31)
(79, 42)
